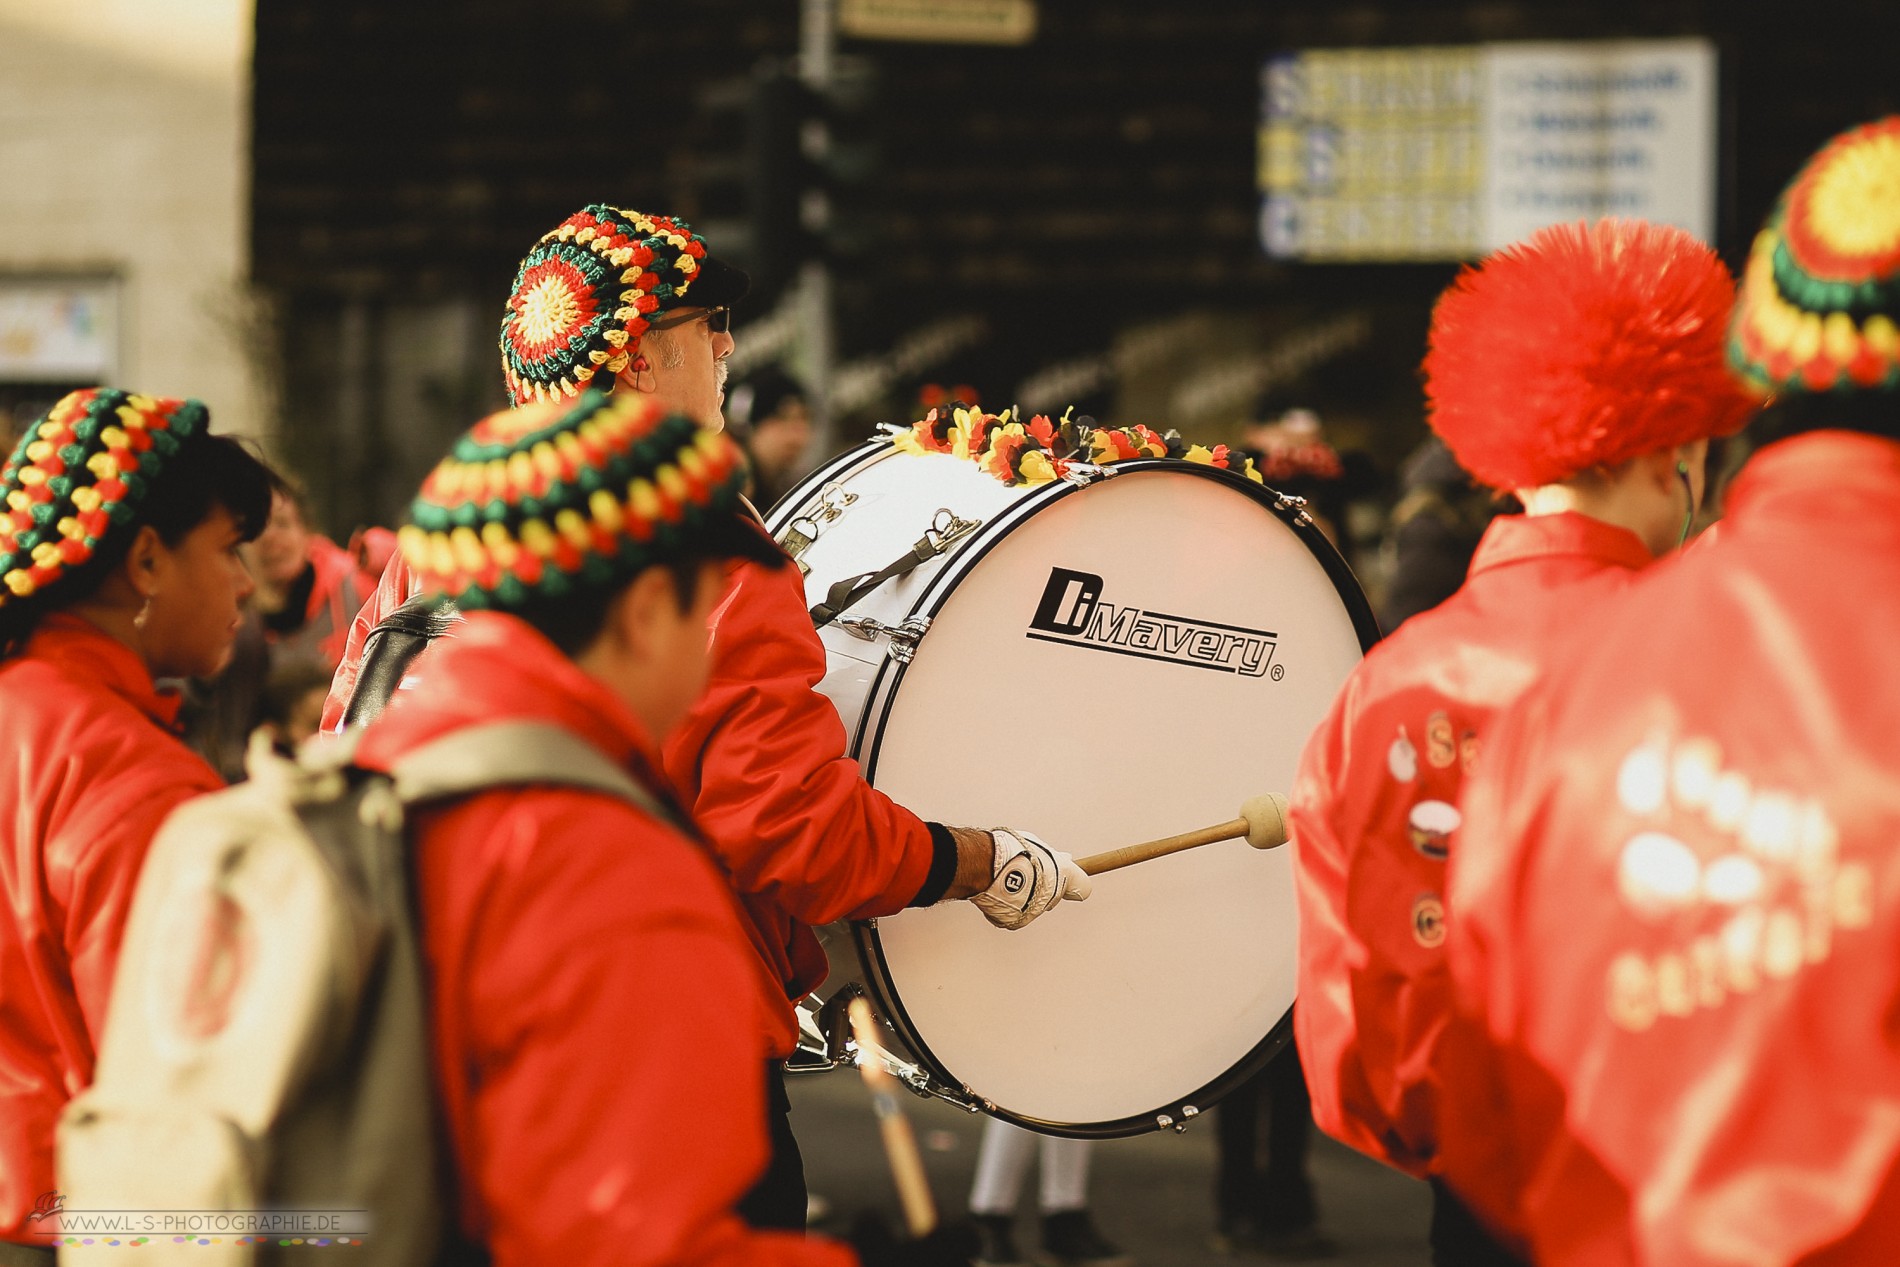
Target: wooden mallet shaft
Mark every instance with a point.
(1262, 821)
(900, 1145)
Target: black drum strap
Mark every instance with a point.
(844, 595)
(945, 530)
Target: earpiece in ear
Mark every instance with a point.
(640, 366)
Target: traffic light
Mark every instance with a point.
(778, 174)
(811, 157)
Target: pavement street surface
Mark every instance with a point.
(1152, 1194)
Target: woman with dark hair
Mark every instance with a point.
(119, 566)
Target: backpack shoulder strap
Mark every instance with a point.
(515, 752)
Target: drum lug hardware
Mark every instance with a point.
(947, 528)
(904, 638)
(1082, 474)
(802, 531)
(1189, 1111)
(1163, 1122)
(1289, 502)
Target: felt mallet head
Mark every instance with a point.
(1266, 820)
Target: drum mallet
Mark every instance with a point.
(1262, 821)
(900, 1145)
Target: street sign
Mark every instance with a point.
(939, 21)
(1450, 152)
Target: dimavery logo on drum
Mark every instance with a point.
(1072, 611)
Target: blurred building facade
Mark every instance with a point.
(125, 131)
(1072, 220)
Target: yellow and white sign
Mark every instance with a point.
(939, 21)
(1446, 153)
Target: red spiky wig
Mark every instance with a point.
(1581, 346)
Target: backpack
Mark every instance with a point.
(266, 1046)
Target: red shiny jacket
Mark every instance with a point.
(1374, 815)
(1677, 940)
(761, 764)
(595, 1011)
(91, 771)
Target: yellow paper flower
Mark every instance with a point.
(1037, 469)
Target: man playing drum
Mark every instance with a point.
(629, 302)
(1678, 902)
(1582, 370)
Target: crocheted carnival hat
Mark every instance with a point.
(536, 502)
(1821, 292)
(77, 477)
(1583, 345)
(588, 290)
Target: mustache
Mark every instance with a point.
(721, 372)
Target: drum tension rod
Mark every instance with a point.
(904, 638)
(827, 1042)
(1290, 502)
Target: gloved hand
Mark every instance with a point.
(1029, 878)
(949, 1246)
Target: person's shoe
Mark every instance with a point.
(1295, 1245)
(1232, 1236)
(1069, 1239)
(1242, 1236)
(996, 1241)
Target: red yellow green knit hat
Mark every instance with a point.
(533, 503)
(79, 474)
(1583, 345)
(587, 291)
(1821, 294)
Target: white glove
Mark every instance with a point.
(1030, 877)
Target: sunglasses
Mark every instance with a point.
(718, 320)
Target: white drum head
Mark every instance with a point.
(1133, 660)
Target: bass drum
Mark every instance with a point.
(1098, 663)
